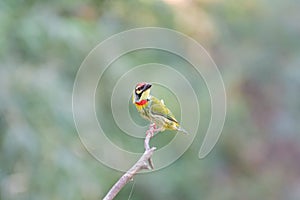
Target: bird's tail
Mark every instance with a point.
(180, 129)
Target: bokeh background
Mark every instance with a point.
(255, 44)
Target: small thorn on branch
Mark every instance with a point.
(145, 162)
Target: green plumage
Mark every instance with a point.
(154, 109)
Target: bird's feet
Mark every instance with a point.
(153, 129)
(152, 126)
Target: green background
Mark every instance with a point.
(256, 46)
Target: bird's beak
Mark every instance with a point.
(147, 86)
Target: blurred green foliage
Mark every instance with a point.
(256, 46)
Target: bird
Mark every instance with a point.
(154, 110)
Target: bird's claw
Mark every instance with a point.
(152, 126)
(151, 130)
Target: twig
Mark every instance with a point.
(138, 166)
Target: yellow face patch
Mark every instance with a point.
(146, 94)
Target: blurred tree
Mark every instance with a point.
(256, 46)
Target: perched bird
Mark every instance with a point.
(154, 109)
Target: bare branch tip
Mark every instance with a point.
(138, 166)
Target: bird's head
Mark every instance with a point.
(141, 93)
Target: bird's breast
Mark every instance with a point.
(143, 110)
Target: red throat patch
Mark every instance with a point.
(142, 102)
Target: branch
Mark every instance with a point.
(138, 166)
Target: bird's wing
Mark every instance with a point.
(158, 108)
